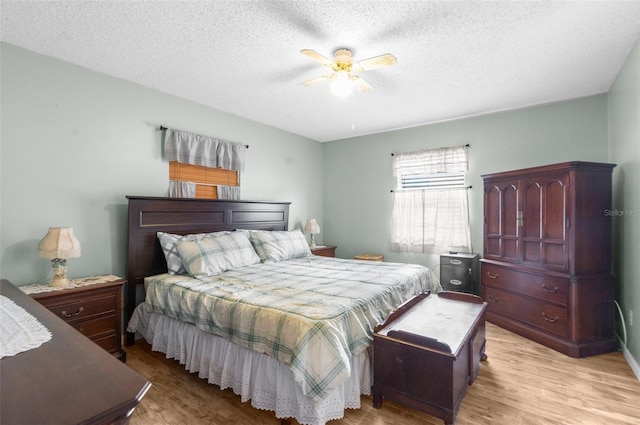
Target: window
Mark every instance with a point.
(441, 180)
(430, 207)
(201, 166)
(206, 179)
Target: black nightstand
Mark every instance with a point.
(460, 272)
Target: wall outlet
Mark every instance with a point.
(630, 317)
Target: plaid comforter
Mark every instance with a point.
(312, 313)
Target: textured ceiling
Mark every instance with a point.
(455, 58)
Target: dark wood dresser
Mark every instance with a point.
(67, 380)
(428, 352)
(546, 271)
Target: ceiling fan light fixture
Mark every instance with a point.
(341, 86)
(342, 81)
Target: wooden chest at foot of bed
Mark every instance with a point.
(428, 352)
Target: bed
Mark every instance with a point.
(286, 330)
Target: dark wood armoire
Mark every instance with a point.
(546, 271)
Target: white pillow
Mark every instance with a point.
(168, 243)
(278, 245)
(214, 255)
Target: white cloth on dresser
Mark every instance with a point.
(19, 330)
(38, 288)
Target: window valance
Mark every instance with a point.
(431, 161)
(196, 149)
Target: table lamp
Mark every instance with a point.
(59, 244)
(313, 229)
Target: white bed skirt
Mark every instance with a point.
(267, 382)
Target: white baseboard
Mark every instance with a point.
(635, 367)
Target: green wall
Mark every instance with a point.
(74, 143)
(624, 138)
(602, 128)
(358, 178)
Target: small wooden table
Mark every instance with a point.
(369, 257)
(67, 380)
(428, 352)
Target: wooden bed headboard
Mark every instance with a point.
(183, 216)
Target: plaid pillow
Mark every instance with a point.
(272, 246)
(168, 243)
(211, 256)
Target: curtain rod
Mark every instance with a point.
(163, 128)
(466, 187)
(466, 146)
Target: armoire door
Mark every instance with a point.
(502, 218)
(545, 213)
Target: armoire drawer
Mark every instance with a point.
(551, 318)
(547, 288)
(96, 327)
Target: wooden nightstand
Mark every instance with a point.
(92, 305)
(325, 250)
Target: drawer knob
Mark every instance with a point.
(455, 282)
(491, 300)
(456, 262)
(493, 276)
(554, 320)
(553, 291)
(65, 314)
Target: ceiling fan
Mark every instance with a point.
(343, 76)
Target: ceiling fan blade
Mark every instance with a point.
(317, 57)
(317, 80)
(376, 62)
(361, 84)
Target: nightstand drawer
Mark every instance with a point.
(83, 307)
(92, 328)
(456, 278)
(108, 342)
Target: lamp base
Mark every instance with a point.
(59, 266)
(312, 243)
(59, 281)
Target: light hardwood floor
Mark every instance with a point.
(522, 382)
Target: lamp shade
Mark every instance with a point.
(312, 227)
(59, 242)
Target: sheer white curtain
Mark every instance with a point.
(430, 220)
(431, 161)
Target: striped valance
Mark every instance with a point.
(196, 149)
